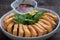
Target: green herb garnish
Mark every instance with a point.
(27, 18)
(39, 14)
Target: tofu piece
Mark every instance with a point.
(9, 20)
(26, 30)
(6, 24)
(51, 21)
(51, 18)
(51, 15)
(21, 32)
(46, 22)
(15, 30)
(42, 28)
(48, 28)
(32, 30)
(9, 27)
(38, 30)
(8, 16)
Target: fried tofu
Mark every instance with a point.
(53, 16)
(21, 32)
(7, 17)
(51, 21)
(9, 20)
(32, 30)
(26, 31)
(48, 28)
(9, 27)
(15, 29)
(39, 31)
(42, 28)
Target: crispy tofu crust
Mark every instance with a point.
(9, 20)
(7, 17)
(26, 31)
(9, 27)
(48, 28)
(15, 30)
(32, 30)
(39, 31)
(51, 21)
(41, 27)
(52, 16)
(21, 32)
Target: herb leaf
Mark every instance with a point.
(39, 14)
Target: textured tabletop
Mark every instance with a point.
(54, 5)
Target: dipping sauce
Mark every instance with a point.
(25, 8)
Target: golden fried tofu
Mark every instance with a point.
(51, 21)
(9, 27)
(26, 30)
(32, 30)
(21, 32)
(39, 31)
(8, 16)
(9, 20)
(15, 29)
(42, 28)
(52, 16)
(48, 28)
(46, 22)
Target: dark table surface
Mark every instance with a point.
(53, 5)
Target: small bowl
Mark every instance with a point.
(15, 4)
(43, 37)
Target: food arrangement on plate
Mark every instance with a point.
(28, 22)
(34, 23)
